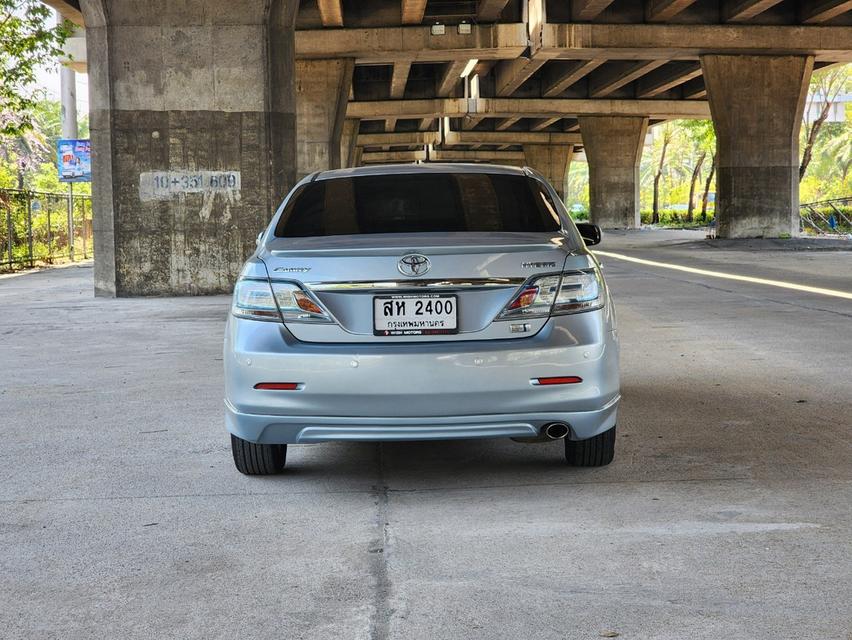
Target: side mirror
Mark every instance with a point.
(257, 239)
(591, 233)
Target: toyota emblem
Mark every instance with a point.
(413, 265)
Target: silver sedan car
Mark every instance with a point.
(421, 302)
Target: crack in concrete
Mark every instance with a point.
(380, 620)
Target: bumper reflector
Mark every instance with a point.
(557, 380)
(278, 386)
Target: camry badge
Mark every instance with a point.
(292, 269)
(413, 265)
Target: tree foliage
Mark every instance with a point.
(665, 141)
(28, 160)
(702, 138)
(826, 85)
(28, 39)
(673, 164)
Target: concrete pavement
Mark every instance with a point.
(726, 513)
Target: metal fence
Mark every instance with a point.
(827, 216)
(43, 228)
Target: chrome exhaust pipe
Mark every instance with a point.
(555, 430)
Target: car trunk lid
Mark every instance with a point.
(482, 271)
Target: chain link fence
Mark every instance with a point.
(38, 228)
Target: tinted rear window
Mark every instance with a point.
(412, 203)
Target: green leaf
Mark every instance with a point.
(28, 39)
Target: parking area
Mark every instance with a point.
(725, 514)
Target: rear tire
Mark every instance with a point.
(594, 452)
(258, 459)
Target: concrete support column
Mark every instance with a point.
(552, 161)
(348, 141)
(193, 138)
(67, 96)
(613, 147)
(757, 104)
(322, 92)
(68, 101)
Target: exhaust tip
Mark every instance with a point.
(555, 430)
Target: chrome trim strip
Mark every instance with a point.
(398, 285)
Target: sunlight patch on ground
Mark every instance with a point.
(835, 293)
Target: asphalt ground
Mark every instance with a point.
(726, 514)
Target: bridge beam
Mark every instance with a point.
(502, 108)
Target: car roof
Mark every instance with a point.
(431, 167)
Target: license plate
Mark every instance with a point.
(415, 315)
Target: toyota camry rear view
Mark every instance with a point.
(421, 302)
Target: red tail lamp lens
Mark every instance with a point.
(525, 298)
(277, 386)
(559, 380)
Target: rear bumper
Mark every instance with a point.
(270, 429)
(441, 390)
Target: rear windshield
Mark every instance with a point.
(412, 203)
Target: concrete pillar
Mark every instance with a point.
(552, 161)
(68, 102)
(613, 147)
(322, 92)
(193, 138)
(348, 141)
(67, 96)
(757, 104)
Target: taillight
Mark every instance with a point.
(297, 305)
(525, 298)
(579, 291)
(276, 301)
(535, 299)
(253, 300)
(569, 292)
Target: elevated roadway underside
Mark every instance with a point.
(278, 91)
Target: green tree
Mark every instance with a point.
(28, 39)
(27, 153)
(702, 138)
(826, 85)
(839, 148)
(705, 197)
(665, 141)
(578, 189)
(664, 167)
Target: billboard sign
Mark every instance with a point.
(74, 159)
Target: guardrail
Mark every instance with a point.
(827, 216)
(40, 228)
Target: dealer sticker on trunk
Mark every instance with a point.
(415, 315)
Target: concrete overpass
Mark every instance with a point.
(204, 113)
